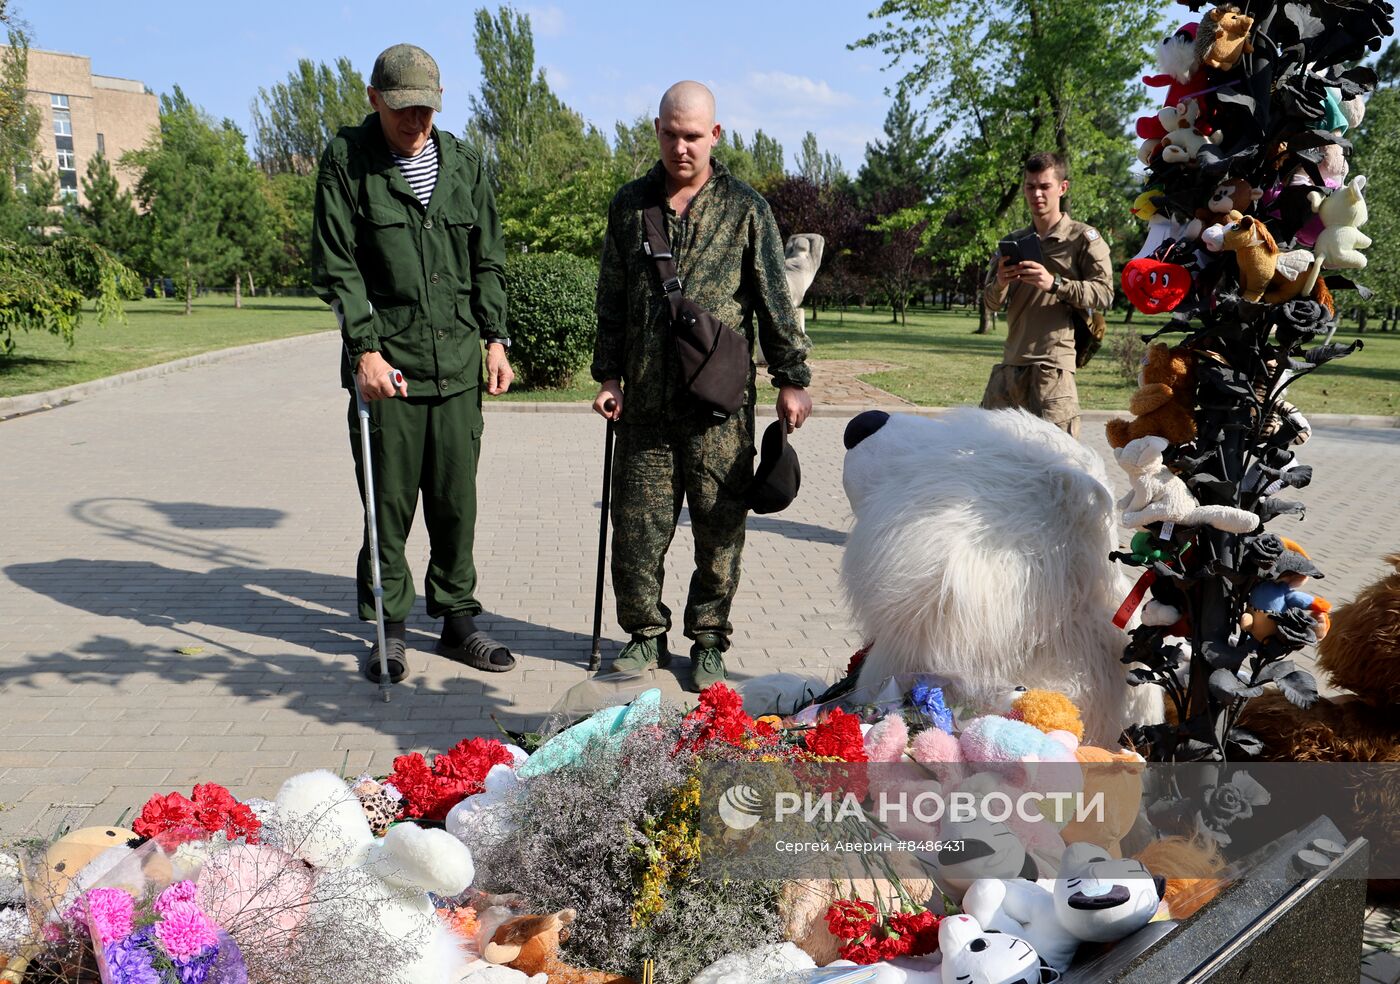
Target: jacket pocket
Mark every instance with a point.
(388, 249)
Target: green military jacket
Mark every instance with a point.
(729, 256)
(422, 286)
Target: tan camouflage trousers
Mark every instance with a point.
(1046, 391)
(659, 464)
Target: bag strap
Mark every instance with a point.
(658, 247)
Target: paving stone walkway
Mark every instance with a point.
(176, 582)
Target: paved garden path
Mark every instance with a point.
(176, 589)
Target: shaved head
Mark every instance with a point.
(689, 98)
(686, 131)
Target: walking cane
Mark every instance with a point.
(396, 379)
(595, 659)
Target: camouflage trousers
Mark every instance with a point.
(658, 463)
(1046, 391)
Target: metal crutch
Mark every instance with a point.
(372, 522)
(595, 659)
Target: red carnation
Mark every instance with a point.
(919, 929)
(849, 919)
(838, 736)
(162, 813)
(430, 793)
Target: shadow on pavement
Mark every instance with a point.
(306, 610)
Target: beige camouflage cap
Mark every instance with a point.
(406, 75)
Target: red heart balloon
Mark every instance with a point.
(1153, 286)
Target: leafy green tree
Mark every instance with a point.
(820, 167)
(43, 287)
(903, 159)
(291, 199)
(550, 316)
(532, 142)
(208, 218)
(1377, 156)
(1063, 81)
(28, 187)
(295, 119)
(109, 217)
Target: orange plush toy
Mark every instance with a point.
(530, 944)
(1164, 403)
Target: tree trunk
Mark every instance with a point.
(1128, 318)
(1361, 320)
(189, 288)
(984, 317)
(252, 288)
(237, 291)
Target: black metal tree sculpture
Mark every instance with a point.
(1251, 207)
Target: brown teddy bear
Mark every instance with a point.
(530, 944)
(1361, 653)
(1164, 402)
(1223, 37)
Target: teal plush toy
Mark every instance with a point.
(609, 727)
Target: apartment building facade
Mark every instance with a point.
(82, 114)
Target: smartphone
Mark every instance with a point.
(1021, 250)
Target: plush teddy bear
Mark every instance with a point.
(76, 861)
(1164, 404)
(1158, 496)
(1340, 243)
(1116, 776)
(1186, 134)
(1095, 899)
(1232, 195)
(384, 883)
(1048, 710)
(530, 944)
(1223, 38)
(974, 533)
(972, 955)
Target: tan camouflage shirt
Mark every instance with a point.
(729, 256)
(1039, 328)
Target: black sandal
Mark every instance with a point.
(396, 657)
(479, 651)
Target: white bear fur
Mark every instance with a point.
(980, 553)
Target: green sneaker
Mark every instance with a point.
(642, 654)
(706, 661)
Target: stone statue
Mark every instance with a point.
(804, 257)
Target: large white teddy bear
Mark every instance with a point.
(980, 553)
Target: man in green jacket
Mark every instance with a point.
(729, 257)
(407, 249)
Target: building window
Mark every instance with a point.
(57, 101)
(62, 123)
(102, 144)
(67, 160)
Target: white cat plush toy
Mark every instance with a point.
(972, 955)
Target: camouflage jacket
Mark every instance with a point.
(730, 258)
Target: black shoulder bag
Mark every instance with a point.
(714, 358)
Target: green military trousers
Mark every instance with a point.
(658, 463)
(427, 445)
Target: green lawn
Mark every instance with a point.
(939, 360)
(943, 363)
(156, 331)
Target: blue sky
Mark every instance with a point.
(780, 65)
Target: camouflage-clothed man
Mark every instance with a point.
(729, 256)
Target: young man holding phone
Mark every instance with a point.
(1041, 273)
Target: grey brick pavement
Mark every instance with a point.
(176, 567)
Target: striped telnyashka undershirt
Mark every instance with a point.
(420, 172)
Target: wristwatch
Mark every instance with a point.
(499, 341)
(1055, 284)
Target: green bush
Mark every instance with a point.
(549, 314)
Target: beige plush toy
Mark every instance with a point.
(1340, 243)
(1223, 37)
(1182, 144)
